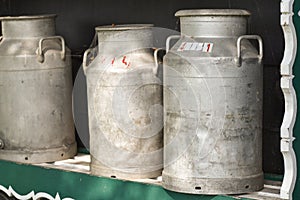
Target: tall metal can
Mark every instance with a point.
(124, 103)
(36, 123)
(213, 105)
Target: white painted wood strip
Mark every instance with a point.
(81, 162)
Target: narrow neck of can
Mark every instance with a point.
(122, 41)
(213, 26)
(28, 28)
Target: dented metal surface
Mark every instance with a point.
(124, 103)
(36, 123)
(213, 106)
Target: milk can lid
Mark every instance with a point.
(212, 12)
(123, 27)
(27, 17)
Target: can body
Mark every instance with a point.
(124, 104)
(213, 106)
(36, 123)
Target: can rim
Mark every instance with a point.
(212, 12)
(123, 27)
(28, 17)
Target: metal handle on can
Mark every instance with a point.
(251, 37)
(1, 144)
(155, 70)
(172, 37)
(40, 49)
(84, 62)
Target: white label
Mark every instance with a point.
(196, 46)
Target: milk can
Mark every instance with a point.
(213, 105)
(36, 123)
(124, 103)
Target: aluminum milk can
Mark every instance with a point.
(36, 123)
(213, 105)
(124, 103)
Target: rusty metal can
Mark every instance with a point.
(213, 105)
(36, 123)
(124, 103)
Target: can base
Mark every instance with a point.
(99, 169)
(214, 186)
(39, 156)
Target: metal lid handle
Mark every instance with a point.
(169, 39)
(40, 52)
(84, 62)
(155, 69)
(249, 37)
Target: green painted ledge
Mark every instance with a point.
(25, 178)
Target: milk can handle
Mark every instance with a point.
(251, 37)
(155, 70)
(172, 37)
(84, 62)
(40, 49)
(2, 144)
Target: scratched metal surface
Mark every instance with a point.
(125, 104)
(36, 122)
(214, 105)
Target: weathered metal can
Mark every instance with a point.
(36, 123)
(124, 103)
(213, 105)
